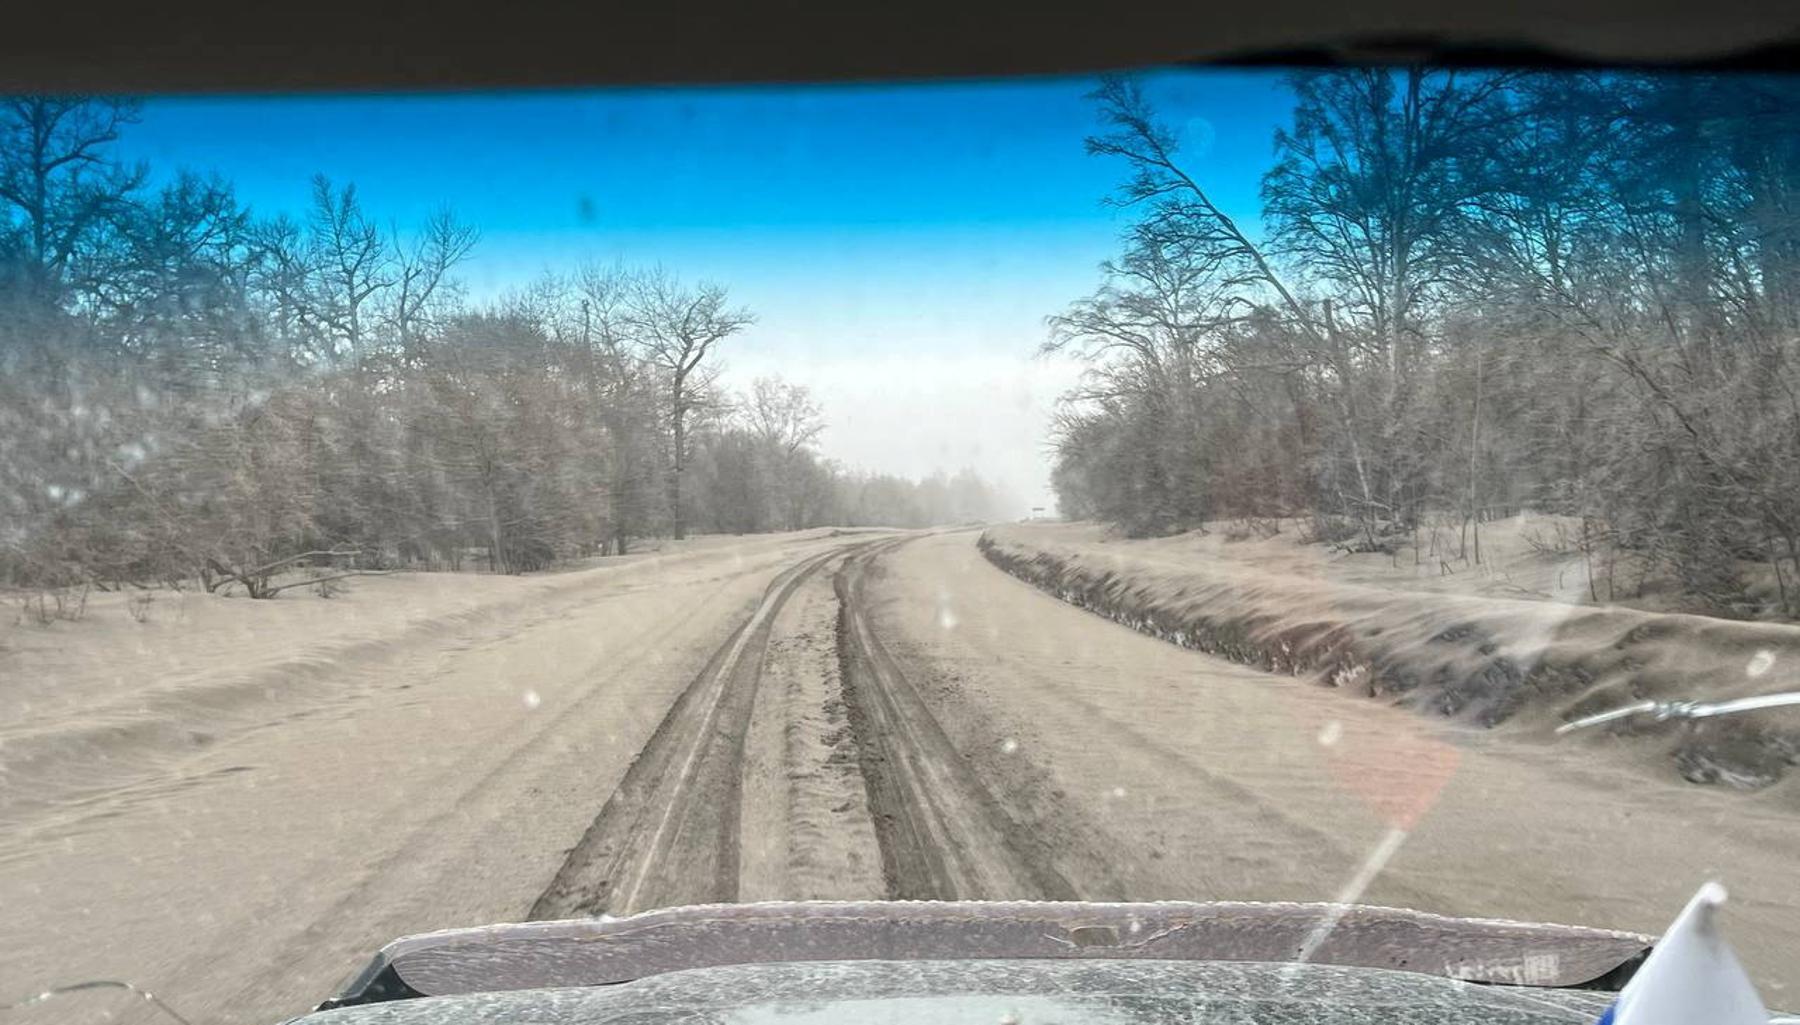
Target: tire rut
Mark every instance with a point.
(669, 833)
(942, 834)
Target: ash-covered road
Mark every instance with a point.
(814, 716)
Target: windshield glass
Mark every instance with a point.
(1357, 485)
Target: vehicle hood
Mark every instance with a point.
(993, 992)
(786, 942)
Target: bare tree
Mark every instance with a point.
(56, 172)
(188, 392)
(1574, 291)
(422, 272)
(352, 262)
(1373, 185)
(786, 420)
(623, 388)
(1174, 205)
(678, 328)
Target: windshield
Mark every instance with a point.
(1358, 485)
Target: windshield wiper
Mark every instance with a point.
(1662, 711)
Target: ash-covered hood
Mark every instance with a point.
(611, 951)
(986, 992)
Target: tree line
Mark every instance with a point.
(189, 390)
(1470, 293)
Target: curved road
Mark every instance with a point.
(813, 716)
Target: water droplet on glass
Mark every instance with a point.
(532, 700)
(1760, 663)
(1009, 745)
(1331, 733)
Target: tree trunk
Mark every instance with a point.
(1346, 402)
(1474, 453)
(679, 524)
(496, 560)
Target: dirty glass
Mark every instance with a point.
(1372, 486)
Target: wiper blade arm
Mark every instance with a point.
(1662, 711)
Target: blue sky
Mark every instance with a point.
(900, 244)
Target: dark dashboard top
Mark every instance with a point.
(229, 45)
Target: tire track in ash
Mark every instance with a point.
(669, 834)
(942, 834)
